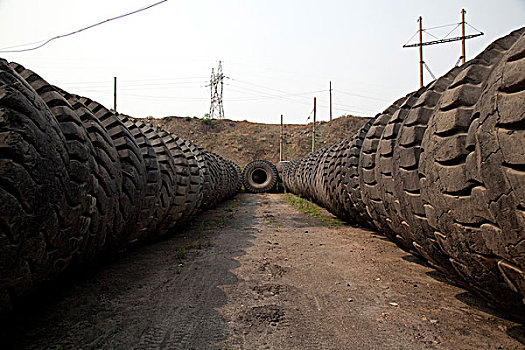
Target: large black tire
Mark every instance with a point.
(335, 187)
(179, 202)
(500, 144)
(453, 188)
(150, 205)
(34, 190)
(411, 223)
(81, 217)
(194, 197)
(167, 210)
(133, 185)
(386, 208)
(107, 177)
(259, 176)
(355, 207)
(368, 171)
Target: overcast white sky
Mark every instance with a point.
(278, 54)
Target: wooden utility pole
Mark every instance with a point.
(421, 62)
(313, 130)
(281, 141)
(463, 54)
(330, 101)
(463, 37)
(115, 94)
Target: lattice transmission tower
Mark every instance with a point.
(216, 88)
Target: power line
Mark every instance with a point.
(310, 115)
(453, 29)
(161, 86)
(45, 42)
(260, 86)
(429, 71)
(349, 108)
(267, 95)
(270, 97)
(153, 97)
(166, 82)
(362, 96)
(432, 35)
(443, 26)
(287, 95)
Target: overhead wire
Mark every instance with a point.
(153, 97)
(452, 30)
(426, 30)
(428, 69)
(311, 92)
(348, 108)
(257, 85)
(473, 27)
(432, 35)
(443, 26)
(308, 118)
(285, 95)
(269, 97)
(412, 37)
(45, 42)
(249, 92)
(362, 96)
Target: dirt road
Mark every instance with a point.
(256, 273)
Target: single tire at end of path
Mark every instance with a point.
(259, 176)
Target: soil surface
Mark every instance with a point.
(255, 273)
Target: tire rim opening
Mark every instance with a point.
(259, 176)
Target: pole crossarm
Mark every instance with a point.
(441, 41)
(420, 44)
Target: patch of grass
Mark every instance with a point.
(180, 254)
(206, 223)
(223, 220)
(231, 206)
(275, 223)
(310, 209)
(210, 122)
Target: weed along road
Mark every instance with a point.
(262, 271)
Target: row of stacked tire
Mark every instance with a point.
(441, 172)
(78, 181)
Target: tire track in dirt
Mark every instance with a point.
(262, 275)
(304, 284)
(148, 298)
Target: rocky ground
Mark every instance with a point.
(256, 273)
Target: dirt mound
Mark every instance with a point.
(244, 141)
